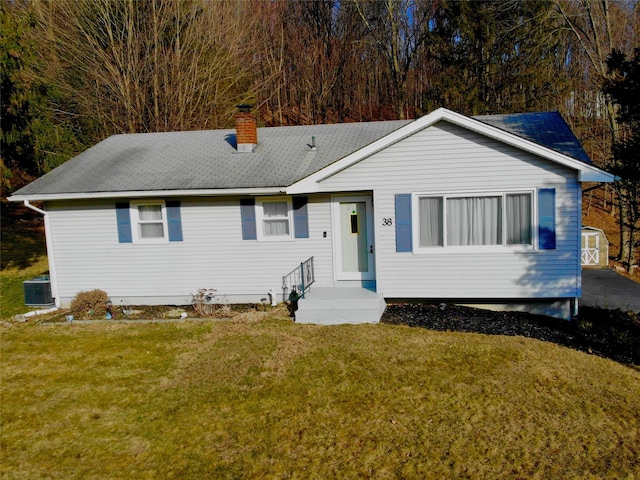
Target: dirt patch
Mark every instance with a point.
(147, 312)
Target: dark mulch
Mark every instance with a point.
(612, 334)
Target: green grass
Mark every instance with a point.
(267, 398)
(22, 254)
(11, 288)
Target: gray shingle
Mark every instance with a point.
(207, 159)
(545, 128)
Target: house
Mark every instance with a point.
(446, 208)
(595, 247)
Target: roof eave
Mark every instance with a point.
(213, 192)
(594, 174)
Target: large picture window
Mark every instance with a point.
(504, 219)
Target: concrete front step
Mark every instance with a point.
(335, 306)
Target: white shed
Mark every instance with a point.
(595, 247)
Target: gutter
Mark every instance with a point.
(215, 192)
(53, 277)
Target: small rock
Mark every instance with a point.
(175, 313)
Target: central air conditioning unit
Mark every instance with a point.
(37, 292)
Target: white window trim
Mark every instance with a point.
(474, 249)
(260, 217)
(135, 222)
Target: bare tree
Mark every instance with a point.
(398, 28)
(152, 65)
(599, 27)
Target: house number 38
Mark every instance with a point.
(387, 222)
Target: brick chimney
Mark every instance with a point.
(246, 129)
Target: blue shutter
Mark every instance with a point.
(123, 217)
(248, 214)
(404, 240)
(300, 217)
(174, 220)
(547, 218)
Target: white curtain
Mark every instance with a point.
(150, 217)
(275, 218)
(150, 212)
(431, 227)
(518, 219)
(474, 221)
(151, 230)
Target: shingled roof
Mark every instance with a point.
(208, 160)
(545, 128)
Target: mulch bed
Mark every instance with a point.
(610, 334)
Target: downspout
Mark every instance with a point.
(49, 241)
(574, 305)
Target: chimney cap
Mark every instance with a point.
(245, 107)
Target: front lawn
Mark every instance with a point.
(262, 397)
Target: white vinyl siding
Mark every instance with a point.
(212, 255)
(447, 158)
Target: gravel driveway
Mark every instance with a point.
(604, 288)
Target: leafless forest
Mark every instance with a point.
(75, 72)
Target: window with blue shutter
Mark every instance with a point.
(404, 242)
(248, 215)
(174, 220)
(300, 217)
(547, 218)
(123, 217)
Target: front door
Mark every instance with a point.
(353, 241)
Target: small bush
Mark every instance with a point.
(205, 304)
(92, 301)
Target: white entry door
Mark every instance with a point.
(353, 239)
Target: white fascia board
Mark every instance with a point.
(594, 174)
(148, 194)
(586, 173)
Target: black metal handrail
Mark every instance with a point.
(298, 281)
